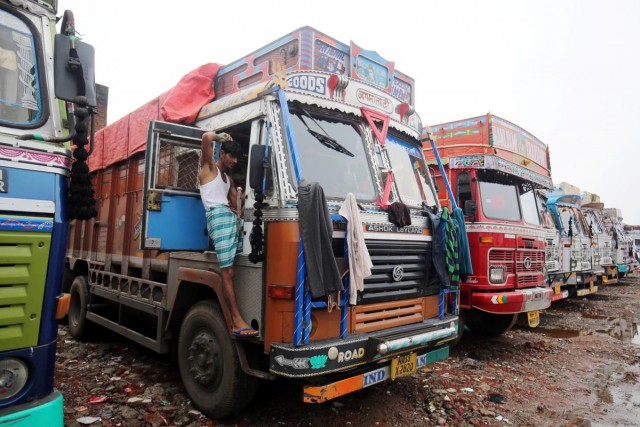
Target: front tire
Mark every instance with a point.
(490, 324)
(209, 365)
(77, 317)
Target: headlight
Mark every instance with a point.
(496, 274)
(13, 377)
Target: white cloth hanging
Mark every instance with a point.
(359, 260)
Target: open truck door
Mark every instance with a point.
(173, 215)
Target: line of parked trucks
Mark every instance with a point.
(309, 108)
(531, 242)
(144, 266)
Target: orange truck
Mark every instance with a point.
(304, 107)
(494, 168)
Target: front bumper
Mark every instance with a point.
(337, 355)
(517, 301)
(364, 377)
(41, 412)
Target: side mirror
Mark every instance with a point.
(74, 70)
(470, 208)
(258, 165)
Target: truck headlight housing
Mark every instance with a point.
(496, 275)
(13, 376)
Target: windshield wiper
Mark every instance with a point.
(325, 139)
(330, 142)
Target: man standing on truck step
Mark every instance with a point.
(216, 190)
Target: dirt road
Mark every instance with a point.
(580, 367)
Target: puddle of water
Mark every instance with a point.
(558, 333)
(596, 316)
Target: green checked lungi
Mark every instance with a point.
(222, 227)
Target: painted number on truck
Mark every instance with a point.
(4, 181)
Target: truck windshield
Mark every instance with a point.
(529, 208)
(20, 97)
(593, 222)
(570, 221)
(499, 197)
(338, 170)
(410, 173)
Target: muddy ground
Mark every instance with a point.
(580, 367)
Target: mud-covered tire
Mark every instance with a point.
(77, 317)
(490, 324)
(209, 365)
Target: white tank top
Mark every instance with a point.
(215, 192)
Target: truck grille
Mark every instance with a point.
(388, 256)
(23, 272)
(501, 257)
(529, 266)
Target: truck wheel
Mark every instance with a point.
(78, 308)
(209, 365)
(489, 323)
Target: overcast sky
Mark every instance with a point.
(568, 71)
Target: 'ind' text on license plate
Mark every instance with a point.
(403, 365)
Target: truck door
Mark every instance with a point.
(173, 216)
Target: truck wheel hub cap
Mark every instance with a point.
(204, 361)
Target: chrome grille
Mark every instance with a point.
(387, 256)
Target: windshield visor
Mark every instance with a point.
(20, 98)
(322, 161)
(410, 173)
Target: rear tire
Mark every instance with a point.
(489, 323)
(209, 365)
(77, 317)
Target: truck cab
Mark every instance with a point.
(493, 180)
(601, 240)
(577, 273)
(622, 241)
(305, 109)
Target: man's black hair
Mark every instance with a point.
(232, 147)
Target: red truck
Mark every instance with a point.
(494, 168)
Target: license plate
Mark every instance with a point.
(403, 365)
(534, 318)
(4, 181)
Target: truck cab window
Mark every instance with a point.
(347, 173)
(20, 97)
(530, 210)
(410, 173)
(463, 188)
(499, 196)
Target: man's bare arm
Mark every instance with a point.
(206, 156)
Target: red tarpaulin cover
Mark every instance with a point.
(181, 104)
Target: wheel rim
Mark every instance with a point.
(204, 359)
(74, 310)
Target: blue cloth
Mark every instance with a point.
(223, 229)
(464, 254)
